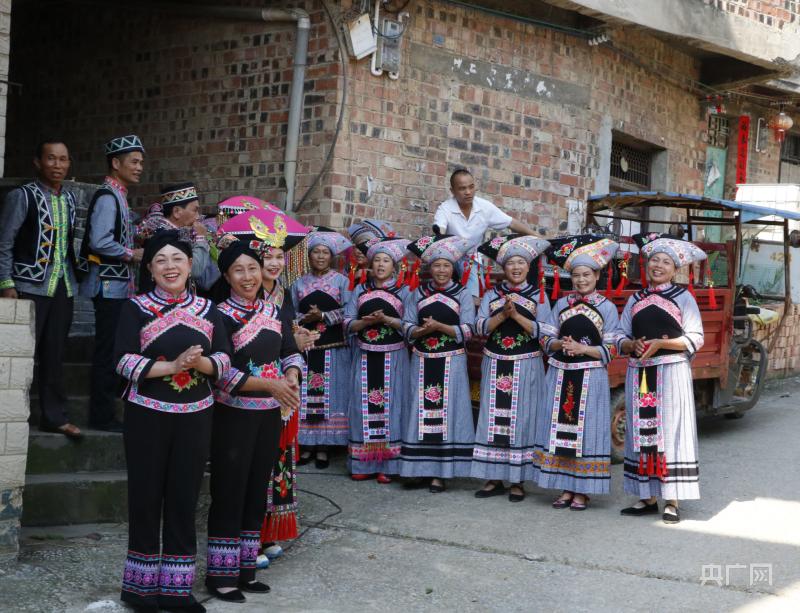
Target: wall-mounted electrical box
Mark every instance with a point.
(388, 54)
(361, 40)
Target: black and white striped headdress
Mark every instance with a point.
(124, 144)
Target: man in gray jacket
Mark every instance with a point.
(36, 263)
(107, 257)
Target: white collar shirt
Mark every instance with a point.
(484, 216)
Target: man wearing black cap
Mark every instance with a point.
(106, 259)
(36, 263)
(180, 210)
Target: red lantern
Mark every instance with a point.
(781, 124)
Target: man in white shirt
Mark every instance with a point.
(469, 217)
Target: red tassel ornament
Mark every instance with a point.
(556, 284)
(467, 271)
(623, 274)
(363, 278)
(401, 278)
(712, 296)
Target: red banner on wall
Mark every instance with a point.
(742, 148)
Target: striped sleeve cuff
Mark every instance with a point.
(463, 333)
(295, 360)
(407, 330)
(133, 366)
(7, 284)
(232, 381)
(333, 317)
(222, 364)
(548, 330)
(482, 326)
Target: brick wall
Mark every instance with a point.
(772, 13)
(5, 45)
(16, 372)
(208, 97)
(522, 106)
(784, 359)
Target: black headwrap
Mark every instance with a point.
(221, 290)
(232, 252)
(152, 246)
(161, 239)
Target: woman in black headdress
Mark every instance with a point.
(263, 381)
(170, 347)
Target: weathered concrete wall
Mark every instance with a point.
(16, 373)
(5, 47)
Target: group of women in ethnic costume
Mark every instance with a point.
(399, 412)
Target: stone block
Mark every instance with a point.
(16, 438)
(25, 312)
(14, 405)
(12, 470)
(5, 372)
(21, 373)
(16, 340)
(8, 309)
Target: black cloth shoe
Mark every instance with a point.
(436, 488)
(671, 518)
(112, 426)
(512, 497)
(414, 483)
(497, 490)
(192, 607)
(256, 587)
(232, 596)
(303, 460)
(321, 464)
(647, 509)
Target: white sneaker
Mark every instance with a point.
(262, 561)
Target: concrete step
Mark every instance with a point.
(77, 409)
(77, 378)
(53, 499)
(55, 453)
(57, 499)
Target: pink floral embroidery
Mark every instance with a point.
(423, 243)
(321, 327)
(497, 242)
(265, 371)
(316, 381)
(647, 400)
(504, 383)
(377, 397)
(433, 393)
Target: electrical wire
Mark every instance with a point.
(337, 510)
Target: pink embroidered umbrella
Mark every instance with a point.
(235, 205)
(269, 226)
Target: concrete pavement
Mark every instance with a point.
(389, 549)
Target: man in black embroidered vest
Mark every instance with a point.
(36, 263)
(106, 258)
(180, 210)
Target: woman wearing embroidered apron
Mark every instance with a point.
(280, 521)
(438, 431)
(573, 432)
(263, 381)
(662, 329)
(171, 346)
(380, 394)
(512, 373)
(319, 297)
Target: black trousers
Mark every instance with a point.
(53, 320)
(105, 381)
(166, 455)
(244, 448)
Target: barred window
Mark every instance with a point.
(630, 168)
